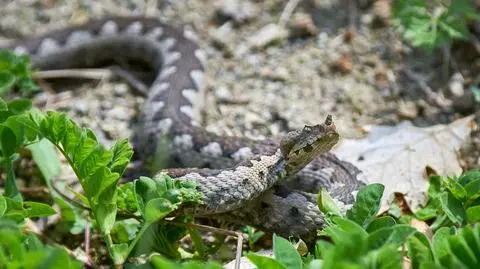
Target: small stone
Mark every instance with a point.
(269, 34)
(407, 110)
(455, 85)
(382, 10)
(279, 74)
(381, 79)
(236, 10)
(80, 106)
(223, 38)
(115, 130)
(120, 89)
(344, 64)
(222, 93)
(120, 113)
(302, 25)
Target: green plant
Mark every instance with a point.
(453, 201)
(429, 24)
(25, 250)
(15, 71)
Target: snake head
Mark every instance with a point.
(301, 146)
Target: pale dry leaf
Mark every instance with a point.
(397, 156)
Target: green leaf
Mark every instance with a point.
(122, 153)
(387, 257)
(396, 235)
(19, 106)
(419, 250)
(3, 206)
(452, 208)
(326, 203)
(349, 226)
(469, 176)
(381, 222)
(456, 189)
(367, 204)
(428, 212)
(145, 189)
(157, 209)
(120, 252)
(263, 262)
(440, 244)
(7, 80)
(473, 214)
(462, 251)
(473, 189)
(286, 253)
(8, 141)
(33, 243)
(3, 105)
(34, 209)
(44, 155)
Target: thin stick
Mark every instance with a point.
(64, 196)
(432, 96)
(287, 12)
(93, 73)
(87, 240)
(238, 255)
(239, 236)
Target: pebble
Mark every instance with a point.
(222, 93)
(269, 34)
(407, 110)
(223, 38)
(280, 73)
(120, 113)
(302, 25)
(455, 85)
(240, 11)
(120, 89)
(80, 106)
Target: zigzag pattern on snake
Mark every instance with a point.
(170, 130)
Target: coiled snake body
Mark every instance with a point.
(262, 187)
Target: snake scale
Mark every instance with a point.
(244, 181)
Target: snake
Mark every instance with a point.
(270, 184)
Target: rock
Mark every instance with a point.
(236, 10)
(80, 106)
(269, 34)
(302, 25)
(120, 113)
(120, 89)
(223, 38)
(222, 93)
(344, 64)
(455, 85)
(407, 110)
(382, 11)
(279, 74)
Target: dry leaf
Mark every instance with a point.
(397, 157)
(422, 227)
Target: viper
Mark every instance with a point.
(270, 184)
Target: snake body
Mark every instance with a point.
(238, 176)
